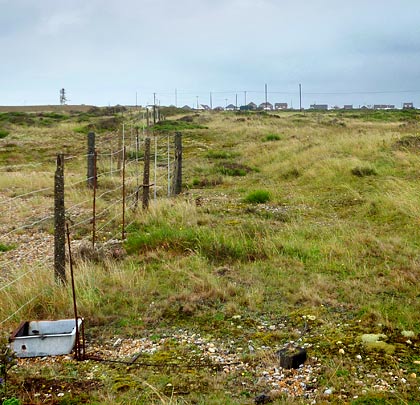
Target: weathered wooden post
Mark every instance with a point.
(146, 173)
(59, 223)
(95, 186)
(177, 177)
(91, 160)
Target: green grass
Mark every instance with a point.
(332, 256)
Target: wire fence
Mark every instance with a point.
(28, 219)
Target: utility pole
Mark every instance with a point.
(176, 98)
(300, 97)
(136, 99)
(266, 95)
(236, 102)
(197, 102)
(226, 102)
(154, 108)
(245, 97)
(211, 101)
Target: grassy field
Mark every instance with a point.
(297, 229)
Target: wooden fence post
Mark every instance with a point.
(177, 177)
(95, 186)
(59, 223)
(146, 173)
(91, 160)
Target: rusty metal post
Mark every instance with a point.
(146, 173)
(90, 160)
(137, 168)
(74, 295)
(123, 196)
(59, 223)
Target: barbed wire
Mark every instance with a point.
(28, 225)
(32, 270)
(20, 309)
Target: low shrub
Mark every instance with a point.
(3, 133)
(257, 197)
(271, 138)
(5, 248)
(219, 154)
(363, 171)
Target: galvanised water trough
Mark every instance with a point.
(45, 338)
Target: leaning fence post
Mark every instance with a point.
(91, 160)
(59, 223)
(177, 177)
(146, 173)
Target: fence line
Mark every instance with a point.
(133, 141)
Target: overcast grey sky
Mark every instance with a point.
(103, 52)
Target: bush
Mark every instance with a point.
(3, 133)
(272, 137)
(257, 197)
(5, 248)
(363, 171)
(215, 154)
(233, 169)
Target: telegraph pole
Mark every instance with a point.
(236, 102)
(211, 101)
(154, 108)
(245, 96)
(266, 95)
(300, 97)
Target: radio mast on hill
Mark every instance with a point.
(63, 98)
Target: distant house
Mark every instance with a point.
(408, 106)
(218, 108)
(319, 106)
(266, 106)
(186, 107)
(230, 107)
(205, 107)
(252, 106)
(383, 106)
(280, 106)
(348, 106)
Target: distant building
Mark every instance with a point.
(230, 107)
(280, 106)
(408, 106)
(383, 106)
(348, 106)
(218, 108)
(319, 106)
(252, 106)
(266, 106)
(205, 107)
(186, 107)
